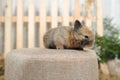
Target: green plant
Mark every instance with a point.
(108, 46)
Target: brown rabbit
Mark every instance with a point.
(69, 38)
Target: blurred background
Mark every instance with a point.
(23, 23)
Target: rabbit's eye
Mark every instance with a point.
(86, 37)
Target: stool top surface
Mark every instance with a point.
(52, 54)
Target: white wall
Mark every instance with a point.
(111, 8)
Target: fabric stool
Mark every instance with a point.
(51, 64)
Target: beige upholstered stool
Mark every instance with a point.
(51, 64)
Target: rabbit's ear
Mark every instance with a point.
(77, 25)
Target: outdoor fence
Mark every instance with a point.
(21, 30)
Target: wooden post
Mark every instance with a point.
(0, 26)
(31, 24)
(77, 10)
(0, 7)
(88, 12)
(8, 25)
(0, 12)
(66, 13)
(99, 17)
(19, 24)
(42, 21)
(54, 12)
